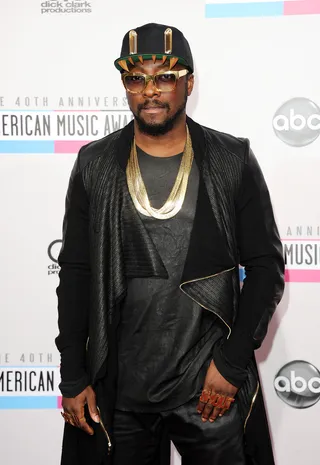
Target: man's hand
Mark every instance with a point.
(215, 384)
(74, 409)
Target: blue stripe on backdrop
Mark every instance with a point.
(242, 274)
(27, 146)
(28, 402)
(244, 10)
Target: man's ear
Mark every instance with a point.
(190, 84)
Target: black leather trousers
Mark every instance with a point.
(138, 437)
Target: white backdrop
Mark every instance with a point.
(250, 59)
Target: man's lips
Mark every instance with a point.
(153, 109)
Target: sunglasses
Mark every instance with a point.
(164, 81)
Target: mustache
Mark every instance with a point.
(152, 104)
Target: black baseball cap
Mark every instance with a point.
(157, 42)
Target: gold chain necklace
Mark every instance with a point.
(138, 190)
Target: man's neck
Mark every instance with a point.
(165, 145)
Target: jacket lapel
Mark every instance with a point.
(140, 255)
(208, 249)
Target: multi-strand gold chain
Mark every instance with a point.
(138, 190)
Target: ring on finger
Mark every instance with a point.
(205, 396)
(221, 401)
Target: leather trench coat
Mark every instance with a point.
(120, 249)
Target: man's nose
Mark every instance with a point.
(150, 89)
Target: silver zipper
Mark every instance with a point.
(229, 329)
(200, 279)
(251, 406)
(105, 431)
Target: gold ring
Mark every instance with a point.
(221, 401)
(205, 396)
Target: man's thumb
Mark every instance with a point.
(92, 406)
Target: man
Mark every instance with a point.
(156, 340)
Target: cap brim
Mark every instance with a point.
(148, 56)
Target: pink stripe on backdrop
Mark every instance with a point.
(302, 276)
(68, 146)
(59, 400)
(302, 7)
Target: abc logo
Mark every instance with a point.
(297, 122)
(54, 249)
(298, 384)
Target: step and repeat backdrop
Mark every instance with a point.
(257, 76)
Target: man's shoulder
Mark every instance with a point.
(237, 146)
(97, 148)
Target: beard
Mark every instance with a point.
(158, 129)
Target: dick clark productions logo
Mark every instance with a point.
(298, 384)
(54, 249)
(297, 122)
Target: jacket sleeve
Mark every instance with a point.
(74, 288)
(260, 252)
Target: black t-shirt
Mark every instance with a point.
(165, 338)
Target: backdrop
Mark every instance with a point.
(257, 76)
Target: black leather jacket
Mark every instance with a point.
(234, 224)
